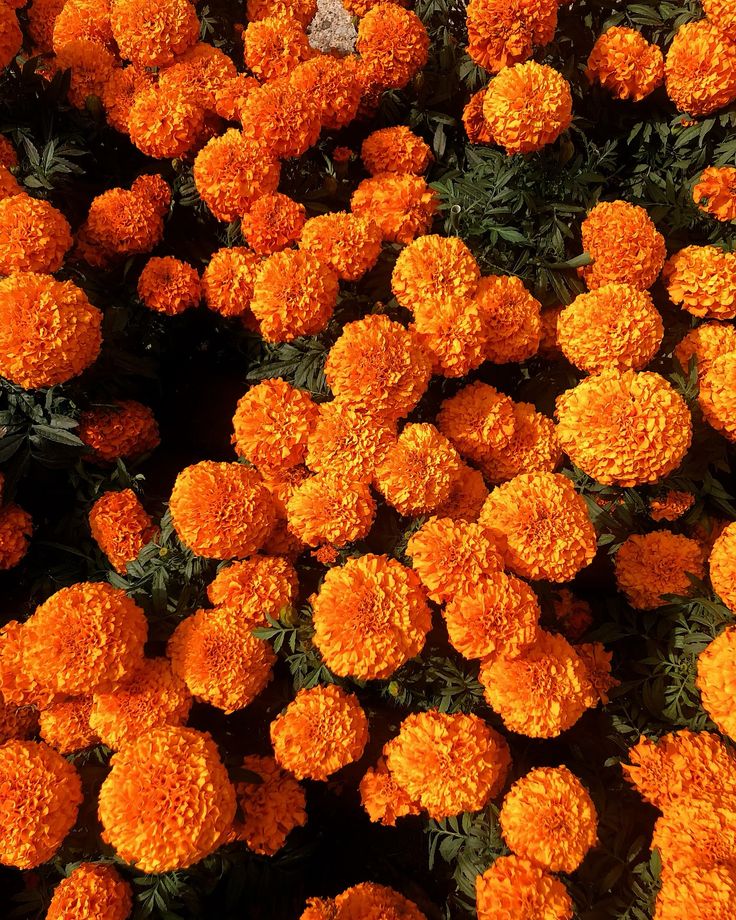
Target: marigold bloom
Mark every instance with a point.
(125, 429)
(17, 685)
(169, 285)
(231, 172)
(671, 506)
(453, 331)
(474, 121)
(396, 150)
(624, 428)
(303, 11)
(227, 282)
(270, 809)
(92, 891)
(272, 222)
(199, 72)
(433, 265)
(468, 492)
(348, 441)
(515, 889)
(34, 236)
(393, 45)
(16, 527)
(597, 662)
(477, 419)
(262, 116)
(230, 95)
(651, 565)
(87, 19)
(379, 367)
(722, 566)
(403, 206)
(349, 245)
(696, 835)
(152, 32)
(151, 696)
(502, 33)
(119, 92)
(700, 68)
(382, 798)
(11, 37)
(182, 805)
(701, 279)
(370, 617)
(274, 46)
(164, 122)
(40, 797)
(573, 615)
(718, 395)
(322, 730)
(624, 244)
(512, 318)
(417, 472)
(379, 901)
(626, 64)
(543, 691)
(255, 587)
(221, 510)
(717, 680)
(615, 326)
(121, 527)
(65, 725)
(715, 192)
(706, 343)
(448, 763)
(334, 85)
(685, 893)
(534, 447)
(42, 16)
(91, 66)
(327, 509)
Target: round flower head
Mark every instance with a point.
(119, 92)
(468, 492)
(121, 527)
(221, 510)
(672, 506)
(378, 367)
(91, 66)
(165, 122)
(220, 660)
(649, 566)
(294, 294)
(393, 45)
(303, 11)
(721, 13)
(92, 891)
(382, 798)
(11, 40)
(624, 245)
(573, 616)
(370, 617)
(322, 730)
(65, 726)
(477, 419)
(39, 800)
(262, 116)
(542, 526)
(597, 662)
(527, 106)
(169, 285)
(502, 33)
(349, 245)
(453, 331)
(402, 205)
(549, 818)
(626, 64)
(270, 809)
(715, 192)
(452, 557)
(717, 680)
(255, 587)
(42, 15)
(717, 397)
(227, 282)
(16, 527)
(231, 172)
(696, 835)
(126, 429)
(722, 566)
(515, 889)
(615, 326)
(700, 68)
(272, 222)
(474, 121)
(333, 83)
(327, 509)
(371, 900)
(706, 343)
(533, 448)
(152, 696)
(153, 32)
(274, 46)
(349, 442)
(167, 802)
(18, 686)
(199, 72)
(695, 890)
(543, 691)
(448, 763)
(433, 265)
(395, 150)
(34, 236)
(702, 279)
(417, 473)
(512, 318)
(624, 428)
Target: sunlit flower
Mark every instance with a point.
(269, 809)
(626, 64)
(624, 245)
(651, 565)
(92, 891)
(515, 889)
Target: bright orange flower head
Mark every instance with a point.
(624, 245)
(303, 11)
(514, 889)
(183, 802)
(711, 892)
(92, 891)
(382, 798)
(418, 471)
(624, 428)
(477, 419)
(270, 809)
(230, 95)
(120, 91)
(121, 527)
(722, 566)
(42, 15)
(221, 510)
(349, 245)
(198, 73)
(702, 280)
(169, 285)
(717, 680)
(721, 13)
(715, 192)
(448, 763)
(696, 835)
(534, 447)
(152, 696)
(348, 441)
(333, 83)
(453, 331)
(700, 68)
(327, 509)
(671, 506)
(18, 686)
(272, 222)
(468, 492)
(254, 587)
(86, 19)
(474, 121)
(124, 429)
(706, 343)
(227, 282)
(91, 66)
(393, 45)
(501, 33)
(11, 37)
(264, 123)
(165, 122)
(65, 726)
(395, 150)
(39, 800)
(34, 236)
(543, 691)
(433, 265)
(615, 326)
(626, 64)
(527, 106)
(651, 565)
(512, 318)
(370, 617)
(717, 397)
(16, 527)
(369, 900)
(541, 525)
(274, 46)
(152, 32)
(322, 730)
(402, 205)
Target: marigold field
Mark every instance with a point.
(367, 442)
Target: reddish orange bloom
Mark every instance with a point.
(152, 32)
(512, 318)
(598, 664)
(92, 891)
(706, 343)
(382, 798)
(624, 245)
(717, 680)
(685, 893)
(327, 509)
(393, 45)
(169, 285)
(270, 809)
(433, 266)
(715, 192)
(274, 46)
(370, 900)
(9, 185)
(700, 68)
(124, 429)
(333, 83)
(86, 19)
(230, 95)
(42, 16)
(34, 236)
(254, 588)
(348, 441)
(272, 222)
(722, 566)
(468, 492)
(17, 685)
(121, 527)
(303, 11)
(349, 245)
(165, 122)
(65, 726)
(651, 565)
(514, 888)
(701, 279)
(501, 33)
(227, 282)
(534, 447)
(402, 205)
(718, 395)
(626, 64)
(119, 92)
(198, 73)
(11, 37)
(264, 124)
(477, 419)
(671, 506)
(16, 527)
(395, 150)
(573, 615)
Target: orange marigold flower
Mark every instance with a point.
(541, 525)
(721, 13)
(393, 45)
(396, 150)
(327, 509)
(371, 900)
(153, 32)
(274, 46)
(452, 557)
(121, 527)
(573, 616)
(671, 506)
(448, 763)
(453, 331)
(125, 429)
(254, 588)
(512, 318)
(34, 236)
(17, 685)
(199, 72)
(91, 66)
(264, 123)
(183, 805)
(717, 680)
(232, 171)
(715, 192)
(271, 808)
(164, 122)
(333, 83)
(40, 797)
(221, 510)
(696, 835)
(230, 95)
(349, 442)
(65, 726)
(42, 16)
(702, 279)
(272, 223)
(418, 470)
(624, 428)
(349, 245)
(624, 245)
(474, 121)
(706, 343)
(718, 395)
(433, 266)
(477, 419)
(370, 617)
(87, 19)
(533, 448)
(626, 64)
(403, 206)
(649, 566)
(11, 37)
(84, 638)
(227, 282)
(722, 566)
(303, 11)
(700, 68)
(598, 663)
(382, 798)
(502, 33)
(615, 326)
(92, 891)
(468, 492)
(120, 90)
(378, 367)
(543, 691)
(322, 730)
(16, 527)
(693, 891)
(515, 889)
(169, 285)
